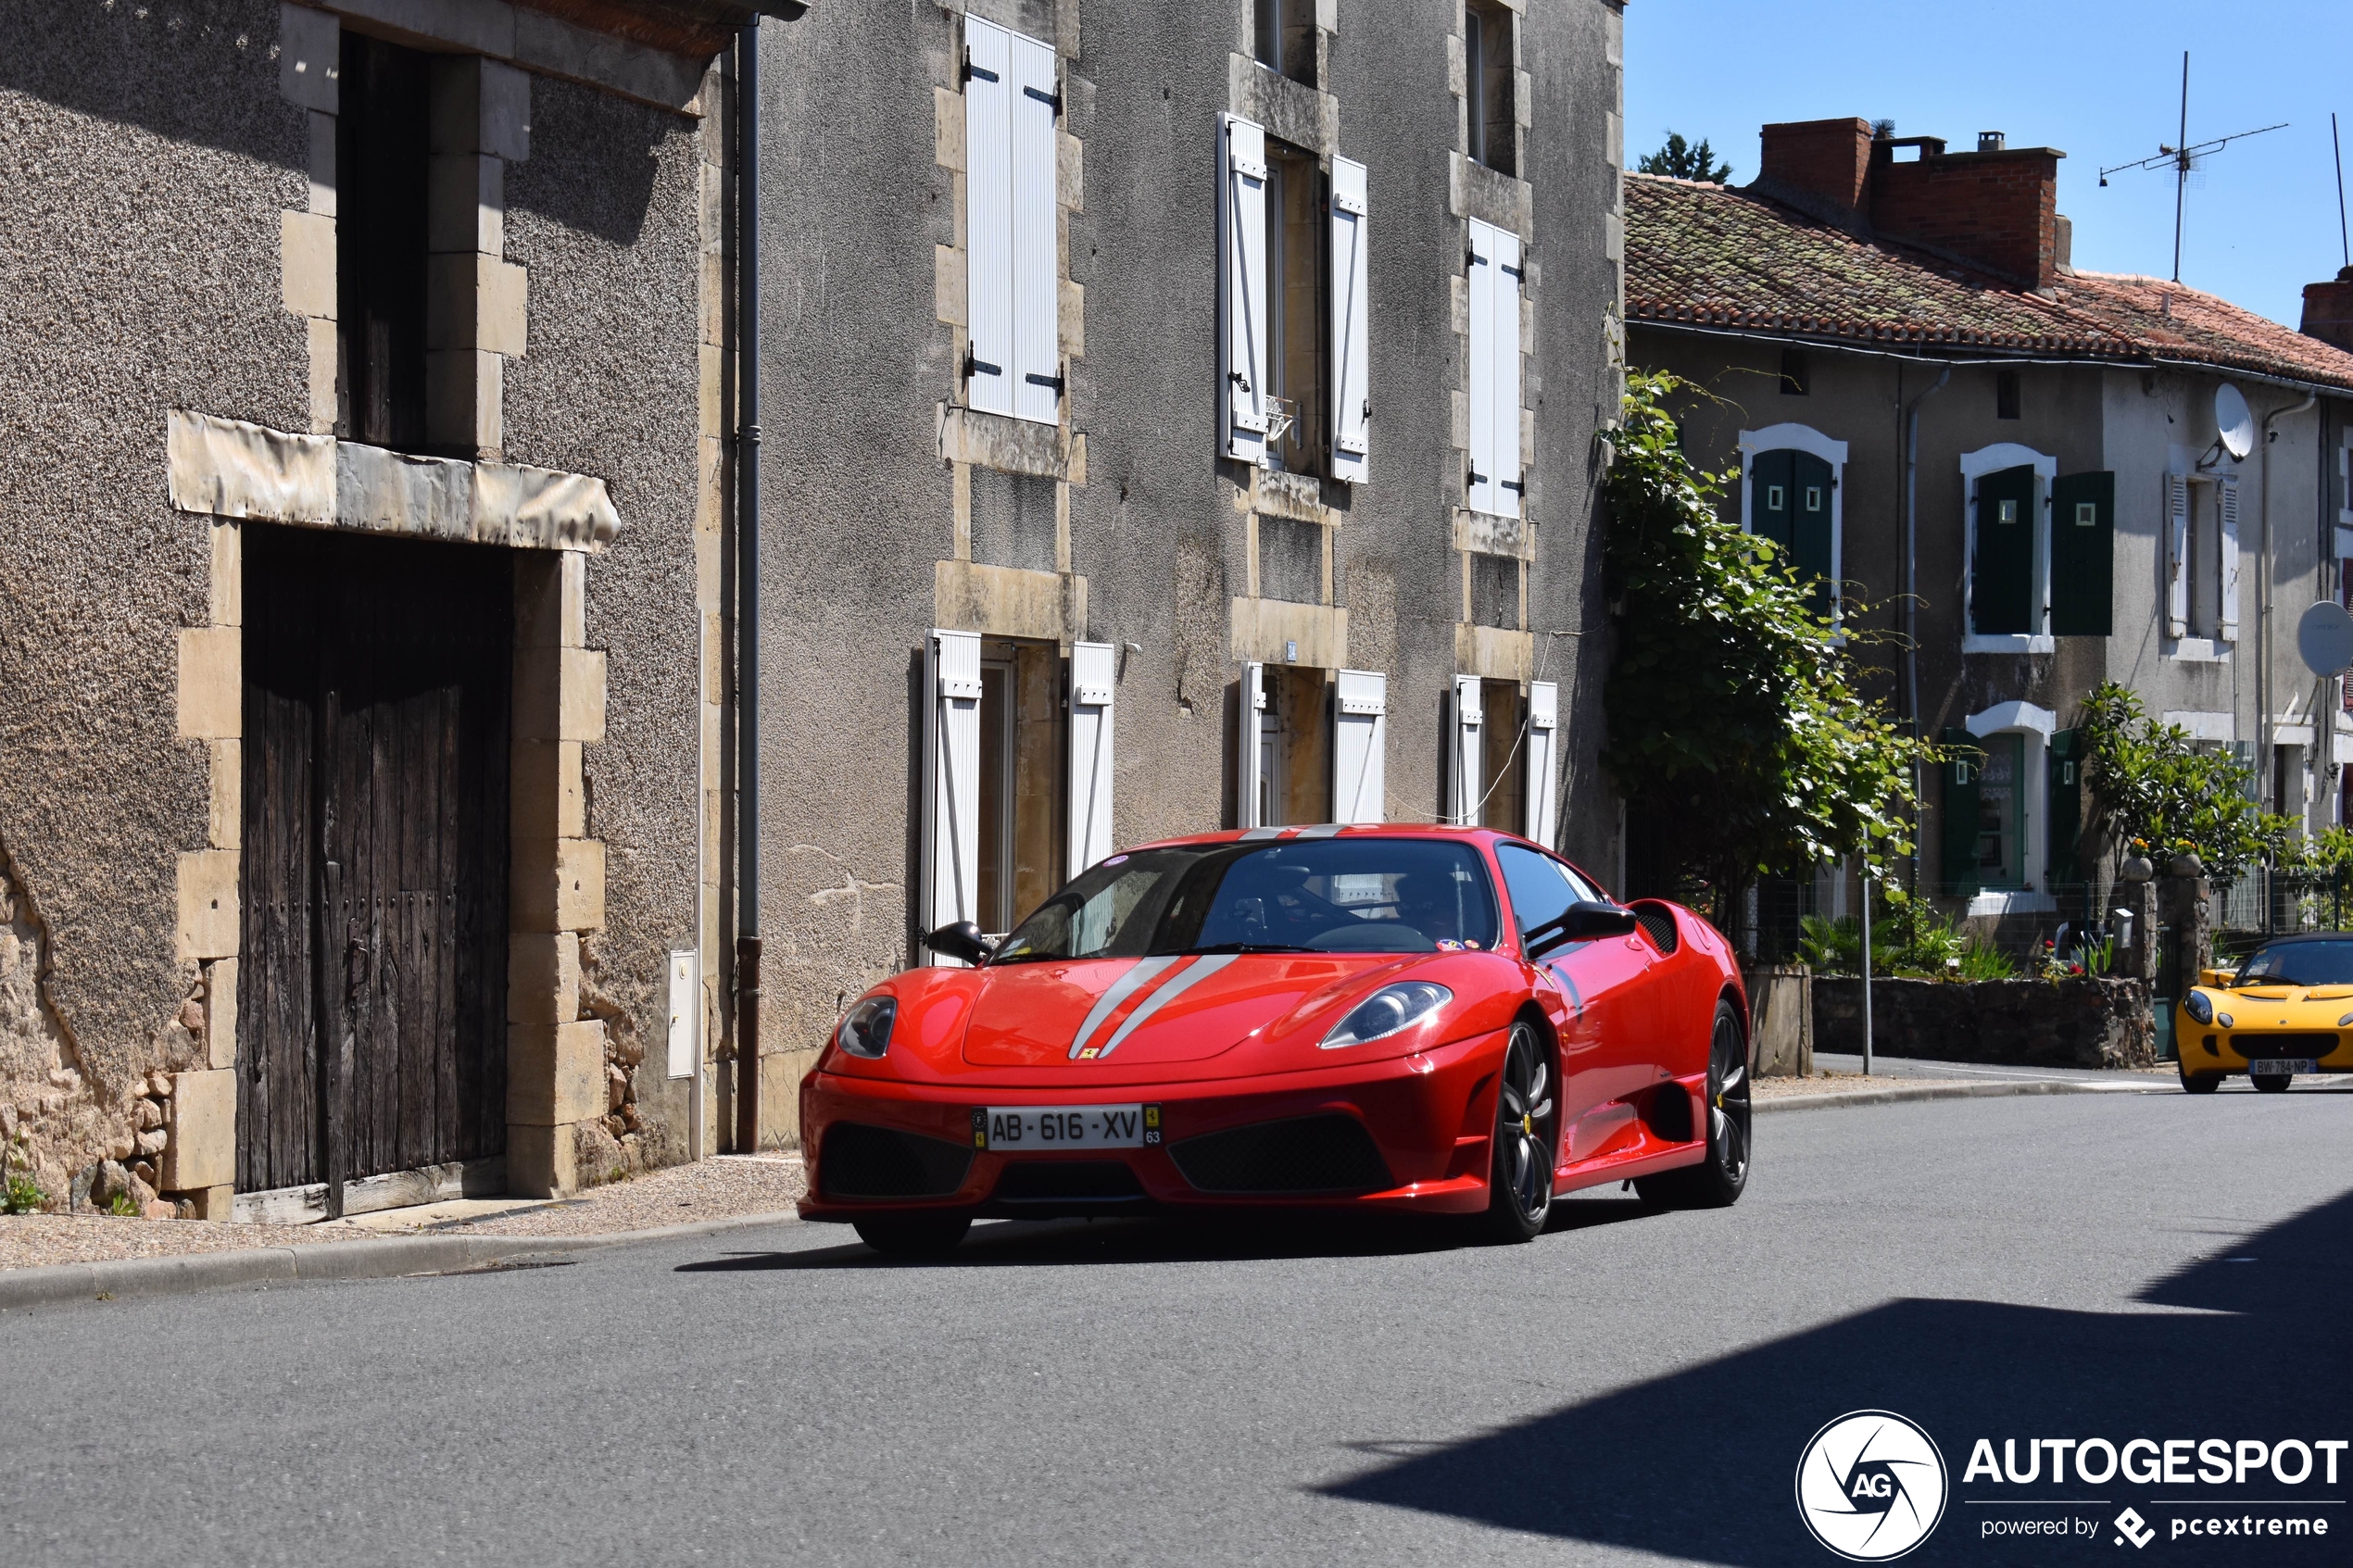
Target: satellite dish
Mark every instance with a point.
(2324, 636)
(2233, 420)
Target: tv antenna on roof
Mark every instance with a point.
(2184, 159)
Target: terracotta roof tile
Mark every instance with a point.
(1708, 256)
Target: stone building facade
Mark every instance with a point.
(1176, 417)
(1183, 416)
(2014, 471)
(359, 604)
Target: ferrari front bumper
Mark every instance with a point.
(1407, 1133)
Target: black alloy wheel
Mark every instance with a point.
(1526, 1135)
(1717, 1181)
(931, 1234)
(2271, 1083)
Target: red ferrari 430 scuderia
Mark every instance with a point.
(1426, 1020)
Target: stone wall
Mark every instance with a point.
(1780, 1013)
(2077, 1023)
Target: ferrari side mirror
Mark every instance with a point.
(962, 941)
(1581, 922)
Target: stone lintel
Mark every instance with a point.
(1006, 601)
(228, 468)
(1493, 654)
(1263, 629)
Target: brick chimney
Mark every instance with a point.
(2328, 311)
(1825, 158)
(1998, 207)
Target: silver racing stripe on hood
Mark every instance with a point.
(1203, 968)
(1144, 973)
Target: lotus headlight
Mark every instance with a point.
(865, 1029)
(1387, 1010)
(2199, 1006)
(2223, 1019)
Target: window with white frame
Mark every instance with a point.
(2201, 559)
(2006, 587)
(1791, 495)
(1013, 110)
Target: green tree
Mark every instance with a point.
(2150, 783)
(1737, 730)
(1685, 161)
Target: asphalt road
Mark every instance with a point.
(1633, 1386)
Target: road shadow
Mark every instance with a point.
(1246, 1237)
(1700, 1466)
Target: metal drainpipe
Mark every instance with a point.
(2263, 602)
(748, 591)
(1911, 601)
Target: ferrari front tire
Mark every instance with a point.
(1717, 1181)
(1519, 1178)
(2199, 1083)
(913, 1235)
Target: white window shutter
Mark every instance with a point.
(1093, 672)
(1359, 739)
(2226, 504)
(1351, 326)
(1482, 493)
(1542, 792)
(1249, 774)
(1504, 461)
(952, 791)
(989, 215)
(1034, 105)
(2177, 556)
(1466, 768)
(1242, 287)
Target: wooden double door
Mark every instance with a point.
(372, 981)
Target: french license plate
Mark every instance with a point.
(1065, 1126)
(2283, 1066)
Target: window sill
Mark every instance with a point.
(2012, 901)
(2006, 642)
(2199, 650)
(1015, 445)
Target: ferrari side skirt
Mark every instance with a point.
(1599, 1172)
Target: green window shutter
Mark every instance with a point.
(2083, 555)
(1961, 769)
(1809, 498)
(2002, 581)
(1769, 505)
(2067, 802)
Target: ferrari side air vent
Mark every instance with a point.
(1306, 1154)
(863, 1162)
(1658, 921)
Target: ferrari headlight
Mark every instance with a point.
(865, 1029)
(1387, 1010)
(2199, 1006)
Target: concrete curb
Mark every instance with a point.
(391, 1256)
(1837, 1099)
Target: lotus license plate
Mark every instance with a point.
(2283, 1066)
(1065, 1126)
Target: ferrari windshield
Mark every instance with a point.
(1376, 893)
(2301, 964)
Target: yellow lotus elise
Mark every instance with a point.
(2288, 1009)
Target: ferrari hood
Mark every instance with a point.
(1138, 1012)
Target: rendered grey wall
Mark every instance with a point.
(604, 215)
(857, 502)
(141, 274)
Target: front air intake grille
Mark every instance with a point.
(1658, 922)
(1309, 1154)
(2271, 1047)
(862, 1162)
(1062, 1181)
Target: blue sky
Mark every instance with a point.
(2098, 79)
